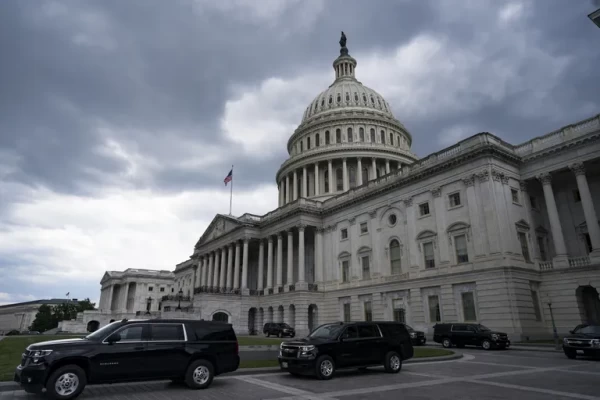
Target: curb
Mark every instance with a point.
(13, 386)
(540, 350)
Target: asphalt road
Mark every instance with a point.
(479, 375)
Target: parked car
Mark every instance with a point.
(417, 337)
(30, 333)
(347, 345)
(278, 329)
(463, 334)
(189, 351)
(13, 332)
(585, 338)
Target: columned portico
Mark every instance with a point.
(591, 218)
(560, 247)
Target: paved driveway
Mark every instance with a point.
(479, 375)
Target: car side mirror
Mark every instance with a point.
(115, 337)
(571, 332)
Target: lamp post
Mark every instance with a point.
(556, 341)
(180, 295)
(148, 303)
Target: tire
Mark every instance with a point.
(199, 374)
(324, 368)
(66, 382)
(486, 344)
(570, 353)
(363, 369)
(447, 343)
(268, 334)
(393, 362)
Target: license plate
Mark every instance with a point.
(284, 365)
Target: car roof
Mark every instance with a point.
(174, 320)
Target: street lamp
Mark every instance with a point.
(148, 303)
(180, 295)
(595, 17)
(556, 341)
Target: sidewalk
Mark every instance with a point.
(548, 348)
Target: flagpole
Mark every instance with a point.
(231, 191)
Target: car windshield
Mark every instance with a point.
(589, 330)
(483, 328)
(329, 331)
(409, 328)
(100, 333)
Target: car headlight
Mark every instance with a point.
(494, 336)
(281, 345)
(40, 353)
(595, 343)
(565, 341)
(413, 335)
(306, 349)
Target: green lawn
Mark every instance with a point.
(258, 341)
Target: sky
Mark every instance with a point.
(119, 119)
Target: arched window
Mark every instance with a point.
(356, 97)
(347, 96)
(352, 177)
(395, 257)
(326, 182)
(382, 134)
(391, 139)
(317, 140)
(361, 134)
(301, 146)
(330, 99)
(365, 175)
(338, 136)
(350, 135)
(372, 135)
(326, 137)
(339, 98)
(339, 180)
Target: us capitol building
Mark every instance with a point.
(482, 231)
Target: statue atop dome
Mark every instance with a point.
(344, 49)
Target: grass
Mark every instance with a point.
(258, 341)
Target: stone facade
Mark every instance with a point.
(482, 231)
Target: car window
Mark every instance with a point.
(459, 328)
(214, 332)
(100, 333)
(329, 331)
(471, 328)
(368, 331)
(167, 332)
(131, 334)
(350, 333)
(588, 330)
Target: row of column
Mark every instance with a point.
(288, 186)
(220, 269)
(589, 212)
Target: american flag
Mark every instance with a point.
(229, 177)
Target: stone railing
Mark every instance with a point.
(176, 298)
(216, 290)
(546, 265)
(575, 262)
(313, 287)
(562, 135)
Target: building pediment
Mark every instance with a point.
(219, 226)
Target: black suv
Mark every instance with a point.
(181, 350)
(417, 337)
(584, 337)
(462, 334)
(347, 345)
(278, 329)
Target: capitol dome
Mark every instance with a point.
(347, 137)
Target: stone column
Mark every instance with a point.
(211, 265)
(236, 268)
(440, 221)
(216, 268)
(204, 270)
(245, 264)
(287, 189)
(230, 267)
(345, 174)
(526, 201)
(290, 257)
(279, 260)
(410, 230)
(319, 273)
(387, 166)
(223, 268)
(280, 187)
(124, 296)
(301, 265)
(304, 182)
(261, 262)
(295, 190)
(330, 172)
(270, 262)
(591, 219)
(472, 204)
(359, 181)
(555, 226)
(111, 291)
(373, 168)
(317, 179)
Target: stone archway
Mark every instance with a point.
(292, 316)
(93, 326)
(589, 304)
(313, 317)
(280, 314)
(220, 317)
(252, 330)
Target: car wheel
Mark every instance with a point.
(447, 343)
(393, 362)
(199, 374)
(363, 369)
(66, 382)
(325, 367)
(268, 334)
(570, 353)
(486, 344)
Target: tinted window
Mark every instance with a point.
(393, 330)
(329, 331)
(368, 331)
(471, 328)
(350, 333)
(131, 334)
(441, 327)
(214, 332)
(102, 332)
(589, 330)
(167, 332)
(459, 328)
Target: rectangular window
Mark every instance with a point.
(366, 268)
(166, 332)
(150, 288)
(515, 196)
(344, 233)
(454, 199)
(368, 311)
(524, 246)
(347, 314)
(345, 271)
(460, 245)
(536, 305)
(576, 196)
(542, 246)
(307, 143)
(364, 228)
(424, 209)
(468, 303)
(162, 289)
(399, 312)
(533, 202)
(428, 255)
(434, 309)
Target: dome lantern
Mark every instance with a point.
(344, 65)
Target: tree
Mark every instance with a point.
(44, 319)
(48, 317)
